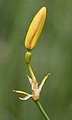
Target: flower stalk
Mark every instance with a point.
(32, 36)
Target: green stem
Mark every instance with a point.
(31, 72)
(42, 110)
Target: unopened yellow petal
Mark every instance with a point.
(21, 92)
(42, 83)
(35, 29)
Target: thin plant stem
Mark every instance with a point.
(42, 110)
(37, 102)
(31, 72)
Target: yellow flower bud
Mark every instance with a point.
(35, 29)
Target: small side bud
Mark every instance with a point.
(27, 57)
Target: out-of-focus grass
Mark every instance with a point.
(52, 54)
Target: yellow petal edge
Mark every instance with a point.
(35, 29)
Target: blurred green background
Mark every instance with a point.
(53, 54)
